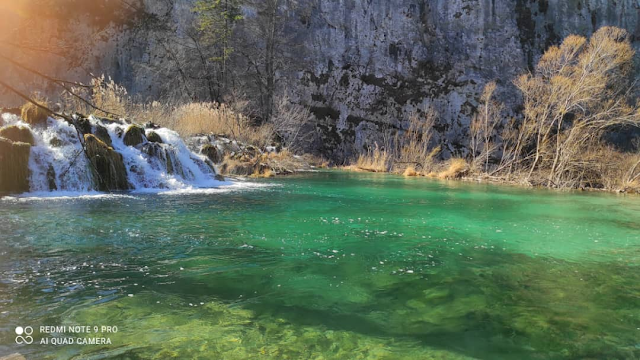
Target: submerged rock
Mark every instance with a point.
(153, 136)
(134, 135)
(111, 172)
(17, 133)
(14, 166)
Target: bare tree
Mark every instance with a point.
(581, 89)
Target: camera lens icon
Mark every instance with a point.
(24, 335)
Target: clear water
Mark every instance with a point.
(327, 265)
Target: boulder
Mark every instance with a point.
(34, 114)
(109, 165)
(103, 134)
(14, 166)
(153, 136)
(82, 124)
(134, 135)
(17, 134)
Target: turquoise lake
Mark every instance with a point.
(326, 265)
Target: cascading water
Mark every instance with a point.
(58, 162)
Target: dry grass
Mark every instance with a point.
(456, 169)
(33, 114)
(410, 171)
(406, 150)
(375, 160)
(189, 119)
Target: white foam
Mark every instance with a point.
(64, 195)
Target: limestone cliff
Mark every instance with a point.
(365, 65)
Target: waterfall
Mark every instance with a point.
(58, 162)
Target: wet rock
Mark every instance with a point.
(238, 168)
(111, 173)
(82, 124)
(153, 136)
(151, 125)
(103, 134)
(134, 135)
(56, 142)
(17, 134)
(212, 153)
(14, 166)
(110, 121)
(51, 178)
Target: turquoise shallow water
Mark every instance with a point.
(327, 265)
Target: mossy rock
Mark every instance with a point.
(35, 115)
(14, 166)
(109, 165)
(134, 135)
(17, 134)
(103, 134)
(212, 153)
(153, 136)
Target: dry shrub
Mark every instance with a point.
(456, 169)
(409, 148)
(412, 147)
(289, 122)
(483, 127)
(375, 160)
(34, 114)
(410, 171)
(110, 97)
(607, 168)
(579, 91)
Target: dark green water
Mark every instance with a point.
(327, 266)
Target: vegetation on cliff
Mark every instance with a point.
(580, 93)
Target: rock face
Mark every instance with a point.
(362, 66)
(111, 172)
(372, 63)
(14, 166)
